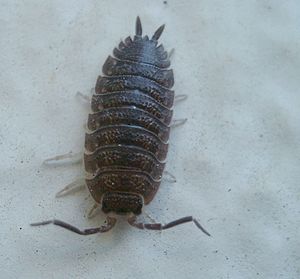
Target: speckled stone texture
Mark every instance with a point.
(236, 160)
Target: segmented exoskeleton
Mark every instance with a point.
(127, 142)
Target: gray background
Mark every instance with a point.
(236, 159)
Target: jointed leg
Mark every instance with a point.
(85, 99)
(93, 211)
(169, 177)
(178, 122)
(73, 187)
(133, 222)
(149, 217)
(171, 53)
(74, 158)
(179, 98)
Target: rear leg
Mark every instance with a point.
(94, 211)
(149, 217)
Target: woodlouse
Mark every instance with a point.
(127, 142)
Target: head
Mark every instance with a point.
(122, 203)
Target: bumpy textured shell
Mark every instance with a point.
(127, 142)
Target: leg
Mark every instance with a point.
(85, 99)
(179, 98)
(178, 122)
(171, 53)
(110, 224)
(133, 222)
(73, 187)
(93, 211)
(149, 217)
(74, 158)
(169, 177)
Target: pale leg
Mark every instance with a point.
(93, 211)
(73, 187)
(178, 122)
(68, 158)
(180, 98)
(149, 217)
(171, 53)
(169, 177)
(83, 98)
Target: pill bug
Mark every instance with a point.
(127, 142)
